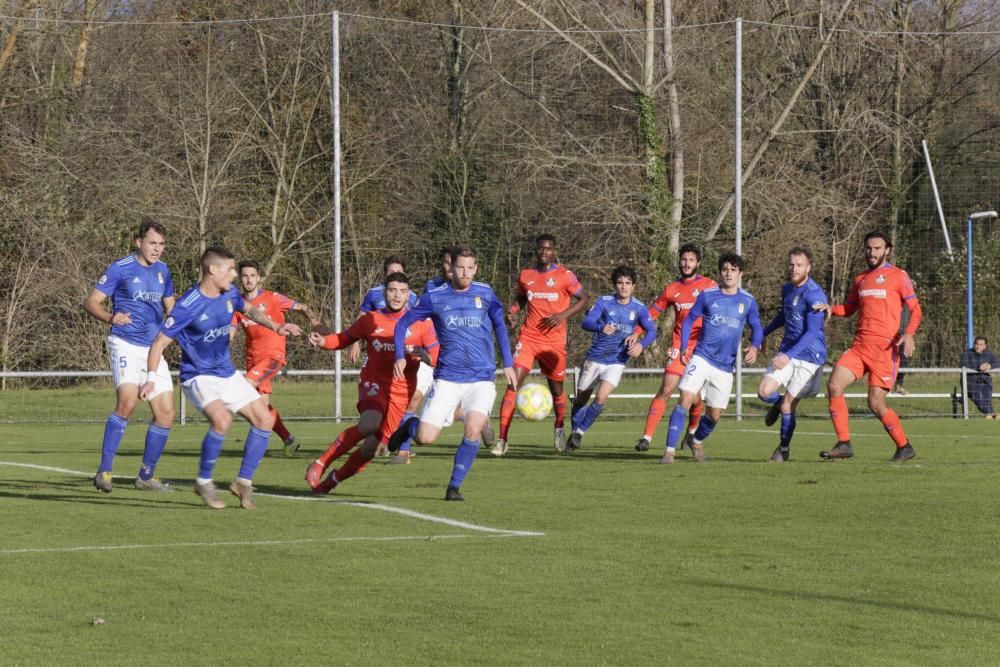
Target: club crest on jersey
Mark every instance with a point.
(795, 301)
(159, 276)
(169, 323)
(694, 293)
(550, 282)
(479, 302)
(229, 307)
(880, 279)
(103, 280)
(631, 316)
(742, 308)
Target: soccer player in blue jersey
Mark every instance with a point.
(467, 316)
(201, 322)
(724, 312)
(798, 365)
(375, 298)
(141, 290)
(612, 320)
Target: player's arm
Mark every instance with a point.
(94, 304)
(421, 311)
(756, 333)
(907, 341)
(815, 321)
(779, 321)
(340, 339)
(647, 324)
(260, 317)
(291, 305)
(160, 344)
(429, 347)
(693, 316)
(496, 314)
(520, 301)
(847, 308)
(659, 306)
(592, 321)
(578, 302)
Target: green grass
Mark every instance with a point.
(736, 561)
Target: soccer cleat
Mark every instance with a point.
(667, 458)
(559, 439)
(642, 445)
(699, 453)
(210, 495)
(400, 459)
(453, 494)
(314, 474)
(901, 390)
(688, 441)
(102, 481)
(289, 446)
(487, 436)
(575, 440)
(904, 453)
(152, 484)
(244, 492)
(842, 450)
(397, 438)
(779, 456)
(500, 448)
(326, 486)
(773, 413)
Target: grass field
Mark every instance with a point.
(600, 557)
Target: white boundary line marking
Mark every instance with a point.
(865, 435)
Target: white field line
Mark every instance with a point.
(914, 436)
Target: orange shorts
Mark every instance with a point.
(880, 362)
(551, 358)
(260, 372)
(675, 366)
(381, 398)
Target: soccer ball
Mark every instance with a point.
(534, 401)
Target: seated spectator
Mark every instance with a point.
(980, 382)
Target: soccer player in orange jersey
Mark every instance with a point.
(382, 398)
(678, 296)
(552, 295)
(878, 296)
(266, 349)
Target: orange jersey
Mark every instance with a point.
(377, 329)
(262, 343)
(679, 296)
(879, 295)
(547, 293)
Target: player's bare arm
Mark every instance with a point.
(751, 354)
(309, 312)
(286, 329)
(94, 304)
(510, 315)
(578, 303)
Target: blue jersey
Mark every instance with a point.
(138, 290)
(804, 338)
(465, 322)
(610, 348)
(202, 326)
(375, 299)
(434, 283)
(723, 317)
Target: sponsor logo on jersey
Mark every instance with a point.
(543, 296)
(724, 321)
(379, 346)
(214, 334)
(874, 293)
(458, 321)
(146, 295)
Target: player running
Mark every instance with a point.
(375, 298)
(382, 398)
(678, 296)
(798, 365)
(467, 316)
(877, 295)
(612, 320)
(725, 310)
(141, 290)
(265, 350)
(202, 324)
(552, 295)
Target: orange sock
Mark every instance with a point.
(559, 406)
(279, 426)
(507, 406)
(890, 420)
(838, 413)
(656, 409)
(356, 462)
(344, 442)
(694, 416)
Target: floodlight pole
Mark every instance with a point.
(981, 215)
(738, 192)
(335, 110)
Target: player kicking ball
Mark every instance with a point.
(798, 366)
(612, 320)
(201, 323)
(724, 312)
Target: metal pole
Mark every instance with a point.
(980, 215)
(965, 393)
(738, 191)
(937, 199)
(337, 304)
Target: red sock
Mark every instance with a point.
(890, 420)
(356, 462)
(559, 406)
(838, 413)
(344, 442)
(694, 416)
(507, 407)
(656, 409)
(279, 426)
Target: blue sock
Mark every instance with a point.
(590, 415)
(787, 430)
(678, 426)
(253, 451)
(576, 414)
(464, 456)
(211, 447)
(772, 399)
(156, 441)
(114, 430)
(405, 447)
(705, 428)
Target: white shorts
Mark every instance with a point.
(128, 366)
(801, 379)
(594, 371)
(712, 383)
(444, 396)
(425, 376)
(235, 391)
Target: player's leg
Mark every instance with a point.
(658, 406)
(552, 362)
(128, 368)
(718, 385)
(241, 398)
(590, 376)
(369, 426)
(689, 388)
(524, 360)
(439, 406)
(848, 369)
(425, 377)
(161, 403)
(260, 376)
(768, 392)
(882, 368)
(608, 377)
(476, 399)
(219, 421)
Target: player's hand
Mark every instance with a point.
(685, 357)
(552, 321)
(289, 329)
(907, 345)
(634, 350)
(609, 329)
(508, 317)
(420, 354)
(673, 353)
(511, 376)
(825, 307)
(322, 329)
(751, 356)
(316, 339)
(145, 390)
(354, 352)
(780, 361)
(399, 369)
(632, 339)
(121, 318)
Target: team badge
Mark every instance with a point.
(695, 293)
(550, 282)
(159, 276)
(479, 302)
(742, 308)
(103, 280)
(880, 279)
(795, 301)
(631, 316)
(169, 323)
(229, 307)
